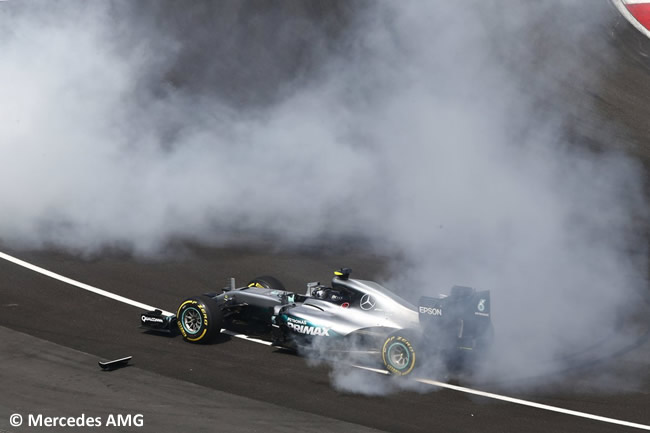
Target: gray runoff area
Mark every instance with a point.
(40, 377)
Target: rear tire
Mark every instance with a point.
(199, 319)
(398, 353)
(267, 282)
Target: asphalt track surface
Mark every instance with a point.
(102, 328)
(52, 334)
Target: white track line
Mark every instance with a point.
(376, 370)
(515, 400)
(533, 404)
(80, 285)
(109, 294)
(246, 337)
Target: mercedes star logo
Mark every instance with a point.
(367, 302)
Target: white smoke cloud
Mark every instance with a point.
(419, 131)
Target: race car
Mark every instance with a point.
(347, 315)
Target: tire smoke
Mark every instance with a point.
(432, 133)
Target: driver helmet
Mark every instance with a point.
(321, 292)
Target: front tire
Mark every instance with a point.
(199, 319)
(267, 282)
(398, 353)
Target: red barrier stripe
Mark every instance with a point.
(640, 11)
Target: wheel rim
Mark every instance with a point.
(399, 356)
(192, 320)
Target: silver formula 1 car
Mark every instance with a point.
(348, 315)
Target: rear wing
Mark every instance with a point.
(464, 307)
